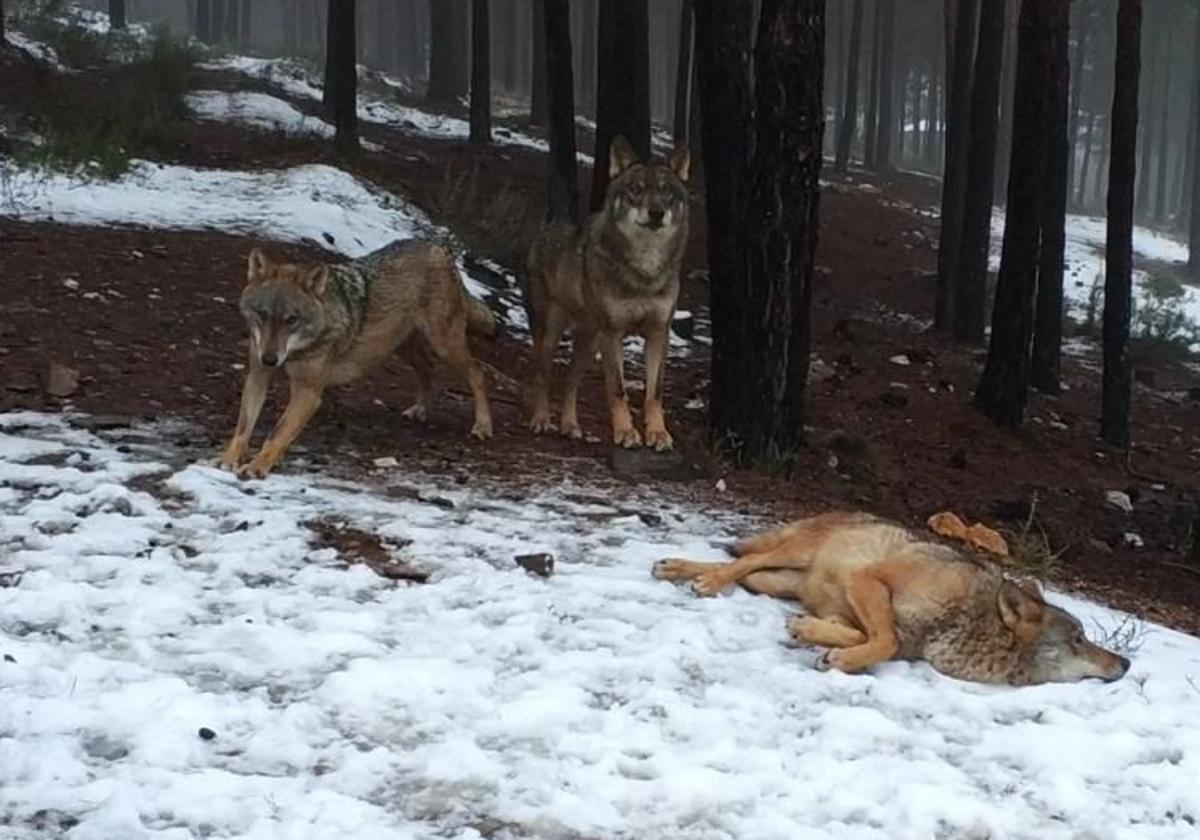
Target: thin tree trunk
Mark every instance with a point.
(345, 77)
(216, 25)
(887, 50)
(1118, 274)
(562, 200)
(1076, 97)
(623, 85)
(247, 18)
(1048, 317)
(1149, 89)
(871, 123)
(333, 64)
(954, 178)
(449, 79)
(481, 72)
(779, 224)
(849, 124)
(537, 93)
(1081, 192)
(970, 295)
(116, 14)
(587, 58)
(1004, 386)
(723, 83)
(1007, 82)
(683, 76)
(232, 13)
(2, 32)
(1194, 181)
(204, 21)
(1164, 110)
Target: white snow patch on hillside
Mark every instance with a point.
(257, 110)
(597, 703)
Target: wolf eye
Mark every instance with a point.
(291, 320)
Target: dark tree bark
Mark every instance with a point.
(1164, 110)
(1004, 386)
(332, 64)
(1081, 193)
(1147, 122)
(1118, 274)
(448, 73)
(2, 34)
(481, 72)
(587, 58)
(1007, 81)
(244, 27)
(216, 25)
(1194, 181)
(849, 123)
(1048, 316)
(537, 90)
(230, 25)
(723, 83)
(116, 14)
(887, 87)
(562, 200)
(954, 176)
(683, 76)
(970, 294)
(345, 76)
(871, 120)
(622, 85)
(204, 21)
(1076, 97)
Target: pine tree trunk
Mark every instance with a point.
(345, 76)
(1076, 97)
(723, 92)
(116, 14)
(1194, 181)
(1007, 81)
(970, 294)
(216, 24)
(954, 178)
(849, 124)
(244, 28)
(1004, 386)
(778, 228)
(871, 123)
(537, 91)
(683, 76)
(622, 85)
(1148, 92)
(2, 32)
(587, 58)
(562, 200)
(1118, 274)
(449, 79)
(204, 21)
(332, 63)
(886, 92)
(230, 24)
(1048, 317)
(481, 72)
(1164, 110)
(1081, 193)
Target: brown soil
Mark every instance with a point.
(149, 320)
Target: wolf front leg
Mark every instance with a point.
(585, 351)
(657, 435)
(613, 356)
(871, 601)
(303, 403)
(254, 394)
(549, 321)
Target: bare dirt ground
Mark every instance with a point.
(149, 320)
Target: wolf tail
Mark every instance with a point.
(480, 320)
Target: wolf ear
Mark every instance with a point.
(314, 281)
(681, 162)
(1020, 611)
(621, 156)
(256, 267)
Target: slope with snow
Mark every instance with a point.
(597, 703)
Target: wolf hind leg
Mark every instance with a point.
(826, 632)
(675, 569)
(454, 350)
(419, 355)
(584, 352)
(871, 601)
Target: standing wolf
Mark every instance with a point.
(874, 591)
(331, 324)
(617, 275)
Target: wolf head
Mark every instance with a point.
(647, 198)
(1053, 646)
(282, 305)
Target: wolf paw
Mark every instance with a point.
(823, 662)
(668, 570)
(709, 583)
(258, 468)
(482, 430)
(229, 461)
(571, 431)
(660, 440)
(416, 412)
(540, 424)
(627, 438)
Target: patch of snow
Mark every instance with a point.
(35, 50)
(596, 703)
(258, 110)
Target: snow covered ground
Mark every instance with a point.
(257, 110)
(143, 598)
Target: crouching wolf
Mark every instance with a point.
(873, 591)
(331, 324)
(617, 275)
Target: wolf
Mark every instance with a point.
(331, 324)
(616, 275)
(874, 591)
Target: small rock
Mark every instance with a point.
(819, 371)
(206, 734)
(61, 381)
(102, 422)
(10, 577)
(386, 463)
(8, 657)
(720, 485)
(893, 400)
(540, 564)
(1133, 540)
(105, 748)
(1119, 500)
(900, 359)
(646, 463)
(1100, 545)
